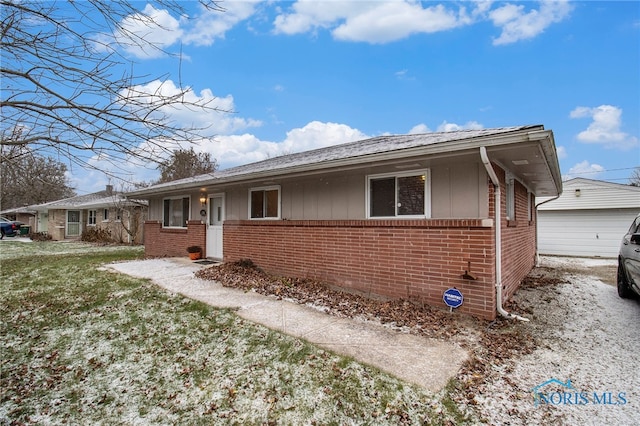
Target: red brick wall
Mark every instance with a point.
(518, 236)
(173, 242)
(413, 259)
(518, 242)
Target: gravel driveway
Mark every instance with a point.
(588, 336)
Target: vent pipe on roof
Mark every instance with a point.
(498, 225)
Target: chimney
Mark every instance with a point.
(109, 189)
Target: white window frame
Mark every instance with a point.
(92, 217)
(176, 197)
(427, 193)
(510, 197)
(265, 188)
(105, 215)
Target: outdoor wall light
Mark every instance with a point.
(577, 192)
(203, 199)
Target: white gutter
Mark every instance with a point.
(496, 184)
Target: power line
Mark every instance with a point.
(600, 171)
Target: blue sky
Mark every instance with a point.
(306, 74)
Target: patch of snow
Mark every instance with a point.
(587, 335)
(583, 262)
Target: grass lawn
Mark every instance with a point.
(82, 345)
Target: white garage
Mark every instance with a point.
(589, 219)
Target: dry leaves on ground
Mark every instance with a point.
(490, 343)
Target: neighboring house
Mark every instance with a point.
(589, 219)
(68, 218)
(26, 215)
(393, 216)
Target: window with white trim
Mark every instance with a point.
(92, 217)
(510, 201)
(404, 195)
(105, 214)
(175, 212)
(264, 202)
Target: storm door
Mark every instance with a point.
(74, 223)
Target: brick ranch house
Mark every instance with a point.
(107, 209)
(405, 216)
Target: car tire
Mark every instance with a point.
(1, 235)
(623, 286)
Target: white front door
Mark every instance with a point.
(43, 222)
(214, 226)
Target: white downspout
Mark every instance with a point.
(497, 208)
(538, 205)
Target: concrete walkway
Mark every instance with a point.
(426, 362)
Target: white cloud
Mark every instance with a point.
(561, 151)
(517, 24)
(310, 15)
(318, 135)
(585, 169)
(149, 33)
(388, 21)
(212, 24)
(452, 127)
(372, 22)
(419, 128)
(200, 110)
(234, 150)
(391, 21)
(605, 127)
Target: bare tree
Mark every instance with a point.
(69, 91)
(634, 179)
(132, 215)
(186, 163)
(28, 178)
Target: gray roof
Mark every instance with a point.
(363, 151)
(15, 210)
(100, 199)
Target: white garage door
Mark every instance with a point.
(593, 233)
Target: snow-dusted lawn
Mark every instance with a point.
(85, 346)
